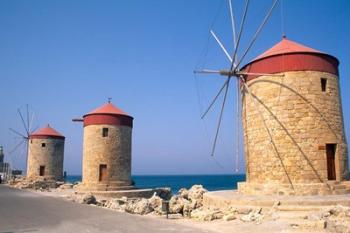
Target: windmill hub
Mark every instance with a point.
(229, 73)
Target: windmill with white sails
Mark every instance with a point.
(289, 103)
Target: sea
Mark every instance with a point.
(176, 182)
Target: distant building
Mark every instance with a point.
(1, 155)
(3, 166)
(45, 154)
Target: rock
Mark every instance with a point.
(338, 226)
(276, 204)
(314, 216)
(141, 206)
(244, 210)
(88, 199)
(59, 183)
(195, 193)
(206, 214)
(156, 203)
(272, 213)
(187, 200)
(101, 202)
(310, 224)
(231, 210)
(340, 211)
(118, 204)
(254, 215)
(229, 217)
(66, 186)
(230, 214)
(183, 193)
(122, 200)
(40, 184)
(326, 214)
(189, 207)
(176, 204)
(217, 214)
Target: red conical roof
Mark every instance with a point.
(46, 132)
(108, 109)
(287, 56)
(286, 46)
(108, 114)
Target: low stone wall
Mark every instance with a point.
(133, 193)
(328, 188)
(223, 199)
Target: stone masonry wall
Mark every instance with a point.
(50, 156)
(114, 151)
(301, 119)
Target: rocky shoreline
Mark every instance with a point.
(188, 204)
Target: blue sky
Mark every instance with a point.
(65, 58)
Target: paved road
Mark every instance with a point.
(23, 211)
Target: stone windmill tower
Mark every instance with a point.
(293, 124)
(45, 154)
(289, 102)
(107, 149)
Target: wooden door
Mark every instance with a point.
(103, 172)
(42, 171)
(330, 150)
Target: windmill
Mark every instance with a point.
(26, 115)
(234, 71)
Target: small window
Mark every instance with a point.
(105, 132)
(323, 84)
(42, 171)
(43, 144)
